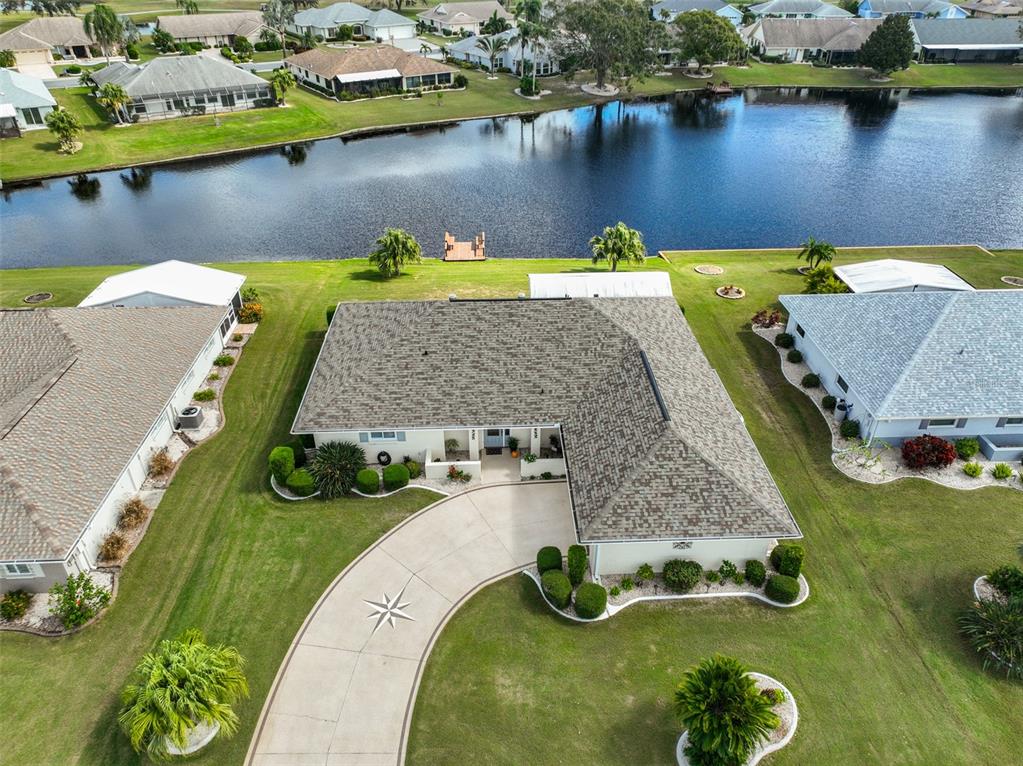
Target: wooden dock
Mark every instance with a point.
(465, 251)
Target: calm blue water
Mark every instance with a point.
(762, 169)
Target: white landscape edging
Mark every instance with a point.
(761, 752)
(355, 491)
(292, 498)
(976, 591)
(206, 735)
(567, 615)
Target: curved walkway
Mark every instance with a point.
(344, 694)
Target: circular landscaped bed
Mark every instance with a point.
(731, 292)
(708, 269)
(37, 297)
(1014, 281)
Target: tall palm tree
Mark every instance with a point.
(618, 244)
(282, 81)
(395, 248)
(277, 15)
(104, 26)
(529, 14)
(815, 252)
(493, 47)
(184, 683)
(115, 98)
(188, 7)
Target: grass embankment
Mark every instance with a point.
(873, 659)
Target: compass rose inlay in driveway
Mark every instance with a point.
(388, 610)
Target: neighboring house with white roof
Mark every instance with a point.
(946, 363)
(468, 49)
(798, 9)
(381, 25)
(42, 40)
(596, 284)
(89, 397)
(832, 41)
(917, 9)
(968, 41)
(456, 18)
(24, 102)
(669, 10)
(173, 86)
(213, 29)
(891, 275)
(613, 393)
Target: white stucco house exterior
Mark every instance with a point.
(89, 397)
(946, 363)
(24, 101)
(540, 54)
(382, 25)
(613, 394)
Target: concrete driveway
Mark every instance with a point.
(344, 694)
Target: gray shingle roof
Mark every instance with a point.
(816, 7)
(683, 6)
(177, 74)
(922, 354)
(245, 23)
(81, 392)
(938, 33)
(909, 6)
(45, 32)
(826, 34)
(465, 12)
(577, 363)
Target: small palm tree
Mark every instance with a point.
(282, 81)
(7, 59)
(66, 127)
(618, 244)
(105, 27)
(184, 683)
(493, 47)
(115, 98)
(395, 248)
(815, 252)
(724, 713)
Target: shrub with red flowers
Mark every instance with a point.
(928, 452)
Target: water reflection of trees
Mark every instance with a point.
(84, 188)
(138, 179)
(699, 112)
(296, 153)
(871, 108)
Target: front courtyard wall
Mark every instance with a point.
(626, 558)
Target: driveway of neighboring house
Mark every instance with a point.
(42, 71)
(344, 694)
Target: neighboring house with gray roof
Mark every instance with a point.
(173, 86)
(917, 9)
(947, 363)
(24, 101)
(213, 29)
(38, 41)
(458, 18)
(966, 41)
(89, 397)
(615, 393)
(994, 9)
(798, 9)
(538, 53)
(381, 25)
(832, 41)
(669, 10)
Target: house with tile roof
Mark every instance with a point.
(832, 41)
(917, 9)
(946, 363)
(798, 9)
(24, 102)
(38, 41)
(381, 25)
(968, 41)
(614, 394)
(213, 29)
(367, 70)
(463, 17)
(89, 397)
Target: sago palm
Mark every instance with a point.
(395, 248)
(184, 683)
(618, 243)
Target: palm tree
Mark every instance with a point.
(815, 252)
(724, 713)
(529, 14)
(7, 59)
(493, 46)
(66, 127)
(113, 97)
(183, 684)
(103, 26)
(395, 248)
(282, 81)
(278, 15)
(189, 7)
(618, 244)
(495, 25)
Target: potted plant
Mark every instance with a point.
(513, 445)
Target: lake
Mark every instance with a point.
(762, 169)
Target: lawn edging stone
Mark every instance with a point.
(381, 495)
(531, 573)
(285, 494)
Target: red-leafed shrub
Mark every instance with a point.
(928, 452)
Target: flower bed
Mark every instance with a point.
(40, 621)
(533, 574)
(731, 292)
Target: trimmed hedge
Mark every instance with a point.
(787, 559)
(784, 340)
(829, 402)
(367, 481)
(782, 588)
(682, 575)
(795, 355)
(396, 476)
(301, 482)
(556, 587)
(299, 449)
(590, 600)
(282, 463)
(548, 558)
(756, 572)
(967, 448)
(577, 560)
(810, 380)
(850, 429)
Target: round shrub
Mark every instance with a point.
(461, 81)
(967, 448)
(795, 355)
(829, 402)
(590, 600)
(73, 69)
(782, 588)
(556, 587)
(682, 575)
(850, 429)
(367, 481)
(810, 380)
(335, 466)
(973, 469)
(251, 312)
(415, 470)
(756, 572)
(548, 558)
(14, 604)
(577, 560)
(787, 559)
(1002, 471)
(784, 340)
(301, 482)
(396, 476)
(928, 451)
(282, 463)
(298, 448)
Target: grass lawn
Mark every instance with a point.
(874, 660)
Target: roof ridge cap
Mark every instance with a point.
(31, 509)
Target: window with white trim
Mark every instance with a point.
(383, 436)
(19, 569)
(941, 423)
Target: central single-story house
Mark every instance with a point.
(468, 49)
(669, 10)
(947, 363)
(367, 69)
(24, 102)
(601, 284)
(459, 18)
(613, 393)
(964, 41)
(381, 25)
(213, 29)
(917, 9)
(798, 9)
(42, 40)
(893, 275)
(172, 283)
(832, 41)
(172, 86)
(89, 397)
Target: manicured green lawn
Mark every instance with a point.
(874, 660)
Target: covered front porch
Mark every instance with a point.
(499, 453)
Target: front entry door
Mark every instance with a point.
(495, 437)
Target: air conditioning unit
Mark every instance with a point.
(190, 418)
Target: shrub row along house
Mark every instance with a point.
(372, 70)
(613, 393)
(943, 362)
(24, 103)
(213, 30)
(381, 25)
(182, 85)
(41, 41)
